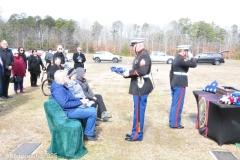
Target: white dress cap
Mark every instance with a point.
(136, 40)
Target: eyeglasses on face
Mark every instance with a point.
(60, 48)
(21, 50)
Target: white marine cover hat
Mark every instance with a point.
(136, 40)
(183, 47)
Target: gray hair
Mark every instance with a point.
(59, 76)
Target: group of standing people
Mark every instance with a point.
(16, 65)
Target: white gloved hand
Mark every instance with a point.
(84, 101)
(126, 73)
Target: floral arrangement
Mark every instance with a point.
(231, 99)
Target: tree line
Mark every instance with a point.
(43, 33)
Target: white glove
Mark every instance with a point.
(126, 73)
(84, 101)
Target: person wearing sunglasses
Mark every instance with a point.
(60, 54)
(21, 52)
(19, 69)
(79, 58)
(7, 61)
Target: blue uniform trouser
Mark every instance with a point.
(88, 113)
(178, 95)
(140, 103)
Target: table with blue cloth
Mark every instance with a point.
(220, 122)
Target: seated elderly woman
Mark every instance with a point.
(71, 105)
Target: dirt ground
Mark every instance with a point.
(22, 118)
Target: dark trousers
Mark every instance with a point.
(33, 79)
(18, 85)
(99, 104)
(5, 85)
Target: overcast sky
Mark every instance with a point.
(158, 12)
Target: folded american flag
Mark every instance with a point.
(118, 70)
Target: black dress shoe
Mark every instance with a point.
(4, 98)
(179, 127)
(131, 139)
(9, 97)
(102, 119)
(128, 135)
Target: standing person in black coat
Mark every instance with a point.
(34, 63)
(79, 58)
(7, 61)
(60, 54)
(1, 75)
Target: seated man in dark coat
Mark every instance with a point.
(56, 66)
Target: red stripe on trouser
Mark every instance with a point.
(137, 119)
(179, 104)
(206, 116)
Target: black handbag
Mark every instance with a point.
(17, 79)
(11, 80)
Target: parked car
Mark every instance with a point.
(106, 56)
(210, 57)
(157, 56)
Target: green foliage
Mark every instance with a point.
(117, 29)
(30, 45)
(91, 49)
(4, 34)
(184, 25)
(125, 49)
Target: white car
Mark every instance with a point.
(157, 56)
(106, 56)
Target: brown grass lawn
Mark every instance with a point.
(22, 118)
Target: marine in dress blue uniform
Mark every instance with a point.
(140, 87)
(179, 82)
